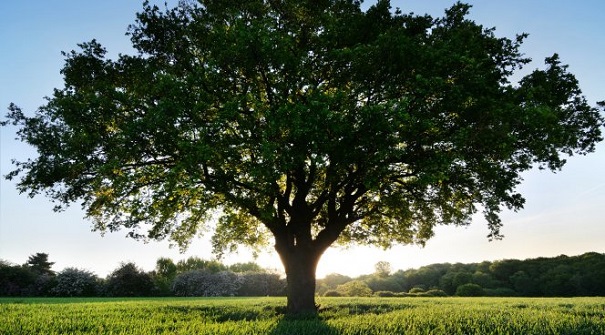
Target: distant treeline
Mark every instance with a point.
(190, 277)
(560, 276)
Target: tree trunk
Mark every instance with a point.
(300, 265)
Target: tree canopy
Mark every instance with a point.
(40, 264)
(314, 121)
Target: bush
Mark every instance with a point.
(332, 293)
(162, 286)
(129, 281)
(383, 284)
(260, 284)
(18, 280)
(202, 283)
(404, 294)
(355, 288)
(42, 286)
(470, 290)
(72, 282)
(163, 276)
(416, 290)
(433, 293)
(384, 294)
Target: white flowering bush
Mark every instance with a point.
(73, 282)
(201, 283)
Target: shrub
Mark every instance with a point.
(416, 290)
(332, 293)
(72, 282)
(470, 290)
(404, 294)
(384, 294)
(202, 283)
(129, 281)
(42, 286)
(260, 284)
(355, 288)
(433, 293)
(383, 284)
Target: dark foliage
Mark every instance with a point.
(540, 277)
(15, 280)
(261, 283)
(39, 263)
(560, 276)
(129, 281)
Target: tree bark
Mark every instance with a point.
(300, 265)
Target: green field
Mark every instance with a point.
(337, 316)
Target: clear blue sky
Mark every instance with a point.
(563, 212)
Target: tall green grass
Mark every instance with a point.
(337, 316)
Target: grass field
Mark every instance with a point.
(337, 316)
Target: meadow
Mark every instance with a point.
(337, 316)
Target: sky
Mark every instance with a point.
(563, 213)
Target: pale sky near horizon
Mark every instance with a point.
(563, 211)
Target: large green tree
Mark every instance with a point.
(313, 122)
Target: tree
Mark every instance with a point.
(330, 282)
(470, 290)
(524, 284)
(245, 267)
(16, 280)
(165, 267)
(128, 281)
(354, 288)
(484, 280)
(383, 269)
(44, 275)
(260, 284)
(384, 284)
(504, 269)
(426, 276)
(196, 263)
(39, 263)
(314, 122)
(163, 276)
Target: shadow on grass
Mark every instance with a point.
(282, 324)
(316, 324)
(221, 313)
(307, 325)
(285, 325)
